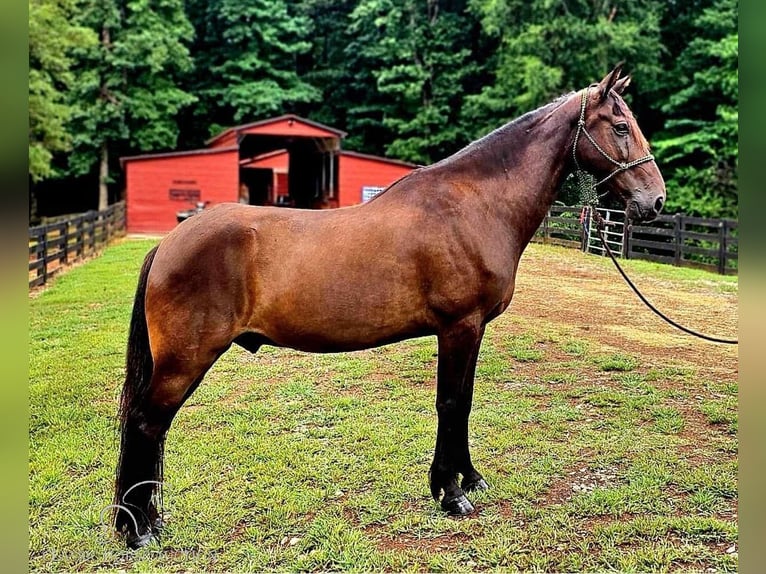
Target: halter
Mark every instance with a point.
(587, 185)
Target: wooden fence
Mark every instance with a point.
(562, 226)
(679, 239)
(55, 245)
(689, 241)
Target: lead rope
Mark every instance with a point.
(600, 229)
(589, 197)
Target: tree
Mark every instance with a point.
(546, 48)
(698, 147)
(413, 79)
(326, 65)
(416, 58)
(128, 91)
(52, 40)
(248, 50)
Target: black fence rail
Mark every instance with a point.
(679, 239)
(711, 244)
(55, 245)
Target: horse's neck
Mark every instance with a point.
(519, 170)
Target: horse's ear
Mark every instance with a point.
(609, 82)
(621, 84)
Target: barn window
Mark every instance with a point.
(368, 192)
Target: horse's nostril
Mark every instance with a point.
(658, 204)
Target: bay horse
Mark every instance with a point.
(435, 254)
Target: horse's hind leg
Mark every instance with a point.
(144, 427)
(458, 352)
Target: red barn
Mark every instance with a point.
(287, 161)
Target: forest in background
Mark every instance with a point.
(409, 79)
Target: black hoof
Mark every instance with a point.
(474, 485)
(136, 541)
(459, 506)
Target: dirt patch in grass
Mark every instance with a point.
(560, 492)
(439, 543)
(579, 479)
(606, 305)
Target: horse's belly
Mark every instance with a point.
(339, 317)
(338, 341)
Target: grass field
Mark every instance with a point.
(609, 440)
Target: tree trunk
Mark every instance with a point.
(103, 168)
(103, 178)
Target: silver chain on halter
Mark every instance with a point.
(586, 182)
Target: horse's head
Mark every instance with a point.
(609, 144)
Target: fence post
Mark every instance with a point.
(78, 238)
(45, 254)
(627, 233)
(722, 247)
(66, 243)
(92, 220)
(39, 238)
(108, 220)
(677, 223)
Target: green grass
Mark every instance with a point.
(616, 362)
(599, 457)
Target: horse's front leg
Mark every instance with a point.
(458, 352)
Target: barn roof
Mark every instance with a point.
(264, 139)
(286, 125)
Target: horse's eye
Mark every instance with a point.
(621, 129)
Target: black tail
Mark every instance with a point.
(135, 450)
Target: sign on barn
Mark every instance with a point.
(283, 161)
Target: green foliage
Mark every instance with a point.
(546, 48)
(698, 147)
(52, 41)
(418, 57)
(248, 51)
(326, 66)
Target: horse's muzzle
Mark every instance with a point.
(641, 212)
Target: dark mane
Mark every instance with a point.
(492, 140)
(525, 122)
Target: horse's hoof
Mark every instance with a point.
(474, 485)
(459, 506)
(136, 541)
